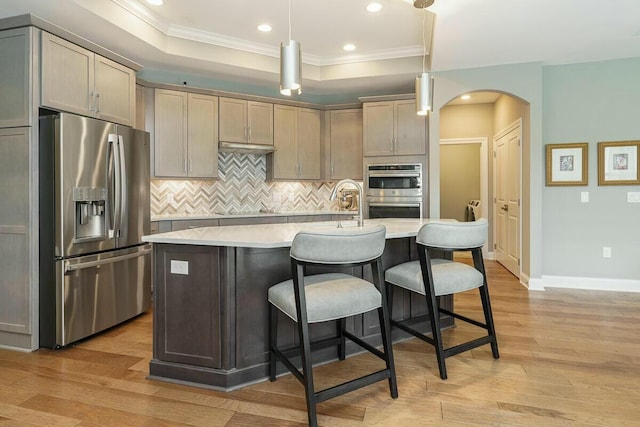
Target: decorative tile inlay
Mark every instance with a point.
(241, 188)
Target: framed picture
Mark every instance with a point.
(618, 163)
(568, 164)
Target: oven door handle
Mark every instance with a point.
(394, 175)
(400, 205)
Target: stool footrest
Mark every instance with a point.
(343, 388)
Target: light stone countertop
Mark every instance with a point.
(277, 235)
(185, 216)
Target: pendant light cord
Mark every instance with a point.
(424, 45)
(289, 20)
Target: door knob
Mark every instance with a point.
(505, 208)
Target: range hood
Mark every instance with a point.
(239, 147)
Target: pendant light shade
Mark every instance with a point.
(290, 68)
(424, 82)
(424, 91)
(290, 65)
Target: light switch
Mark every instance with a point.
(179, 267)
(633, 197)
(584, 197)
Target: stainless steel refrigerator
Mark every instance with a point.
(95, 271)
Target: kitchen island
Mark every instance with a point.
(210, 324)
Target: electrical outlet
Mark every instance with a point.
(584, 197)
(170, 198)
(606, 252)
(180, 267)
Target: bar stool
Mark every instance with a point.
(445, 277)
(331, 296)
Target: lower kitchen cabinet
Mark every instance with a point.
(186, 224)
(187, 305)
(253, 220)
(297, 135)
(15, 248)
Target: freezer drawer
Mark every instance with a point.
(96, 292)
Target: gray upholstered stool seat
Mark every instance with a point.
(448, 277)
(307, 299)
(434, 276)
(329, 296)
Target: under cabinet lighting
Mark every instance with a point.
(155, 2)
(349, 47)
(265, 28)
(465, 97)
(374, 7)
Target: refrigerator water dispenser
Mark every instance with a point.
(90, 220)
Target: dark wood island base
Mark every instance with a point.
(210, 325)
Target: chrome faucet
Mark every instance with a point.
(334, 194)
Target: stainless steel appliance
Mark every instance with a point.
(394, 191)
(95, 272)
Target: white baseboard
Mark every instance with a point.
(590, 283)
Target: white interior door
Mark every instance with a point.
(506, 211)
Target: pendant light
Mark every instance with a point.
(424, 82)
(290, 65)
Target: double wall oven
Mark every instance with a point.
(394, 190)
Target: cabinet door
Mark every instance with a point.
(202, 140)
(260, 123)
(67, 76)
(283, 162)
(346, 144)
(187, 310)
(170, 142)
(308, 143)
(410, 129)
(141, 108)
(233, 120)
(378, 128)
(15, 80)
(15, 296)
(115, 91)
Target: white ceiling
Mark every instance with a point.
(218, 39)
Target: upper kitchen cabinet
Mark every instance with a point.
(345, 145)
(393, 128)
(77, 80)
(245, 121)
(297, 136)
(16, 74)
(186, 135)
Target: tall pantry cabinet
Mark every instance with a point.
(29, 81)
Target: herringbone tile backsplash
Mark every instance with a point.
(241, 188)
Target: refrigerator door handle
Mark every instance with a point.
(116, 180)
(123, 183)
(68, 267)
(113, 181)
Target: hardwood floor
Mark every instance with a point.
(568, 357)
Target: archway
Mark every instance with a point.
(469, 128)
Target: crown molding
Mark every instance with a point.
(136, 8)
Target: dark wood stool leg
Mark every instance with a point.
(486, 303)
(273, 341)
(342, 346)
(305, 347)
(385, 333)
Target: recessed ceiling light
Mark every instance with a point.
(374, 7)
(349, 47)
(465, 97)
(155, 2)
(265, 28)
